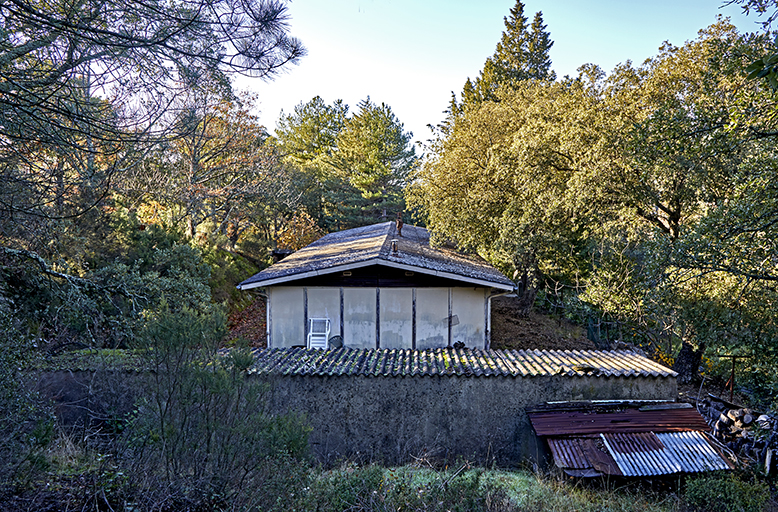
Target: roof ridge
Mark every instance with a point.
(383, 252)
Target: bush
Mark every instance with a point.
(203, 438)
(725, 494)
(26, 425)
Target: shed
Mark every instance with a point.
(627, 438)
(394, 405)
(379, 286)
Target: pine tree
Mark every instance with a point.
(522, 54)
(538, 46)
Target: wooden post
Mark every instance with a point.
(731, 383)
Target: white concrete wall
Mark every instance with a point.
(467, 304)
(287, 318)
(325, 303)
(432, 317)
(396, 317)
(359, 317)
(290, 307)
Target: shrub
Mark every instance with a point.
(26, 425)
(203, 438)
(725, 494)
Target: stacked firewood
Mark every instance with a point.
(747, 433)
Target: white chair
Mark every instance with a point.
(318, 332)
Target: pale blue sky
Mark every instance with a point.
(410, 54)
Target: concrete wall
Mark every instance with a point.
(283, 304)
(387, 419)
(393, 419)
(385, 317)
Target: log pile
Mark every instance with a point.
(749, 434)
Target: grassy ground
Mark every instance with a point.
(469, 489)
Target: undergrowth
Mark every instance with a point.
(463, 489)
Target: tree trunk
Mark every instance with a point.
(687, 364)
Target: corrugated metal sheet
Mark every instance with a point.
(627, 420)
(693, 451)
(637, 454)
(583, 456)
(626, 438)
(648, 454)
(456, 362)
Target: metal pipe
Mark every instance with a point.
(488, 344)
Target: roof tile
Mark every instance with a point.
(371, 245)
(455, 362)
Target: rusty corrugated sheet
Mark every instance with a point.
(459, 362)
(626, 438)
(581, 454)
(568, 453)
(628, 420)
(637, 454)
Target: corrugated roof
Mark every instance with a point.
(627, 420)
(649, 454)
(371, 245)
(456, 362)
(627, 438)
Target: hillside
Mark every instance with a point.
(510, 330)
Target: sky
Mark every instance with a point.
(411, 54)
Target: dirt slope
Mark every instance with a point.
(536, 331)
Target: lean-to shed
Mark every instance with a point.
(379, 286)
(393, 405)
(627, 438)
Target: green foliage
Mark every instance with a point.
(373, 488)
(648, 193)
(725, 494)
(311, 132)
(26, 425)
(352, 169)
(202, 436)
(522, 54)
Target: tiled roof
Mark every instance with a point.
(456, 362)
(371, 245)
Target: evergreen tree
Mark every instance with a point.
(352, 170)
(374, 157)
(538, 46)
(522, 54)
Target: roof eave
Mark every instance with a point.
(376, 261)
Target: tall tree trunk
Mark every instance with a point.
(687, 364)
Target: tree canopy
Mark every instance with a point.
(353, 169)
(84, 86)
(645, 190)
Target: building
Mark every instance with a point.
(397, 406)
(379, 286)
